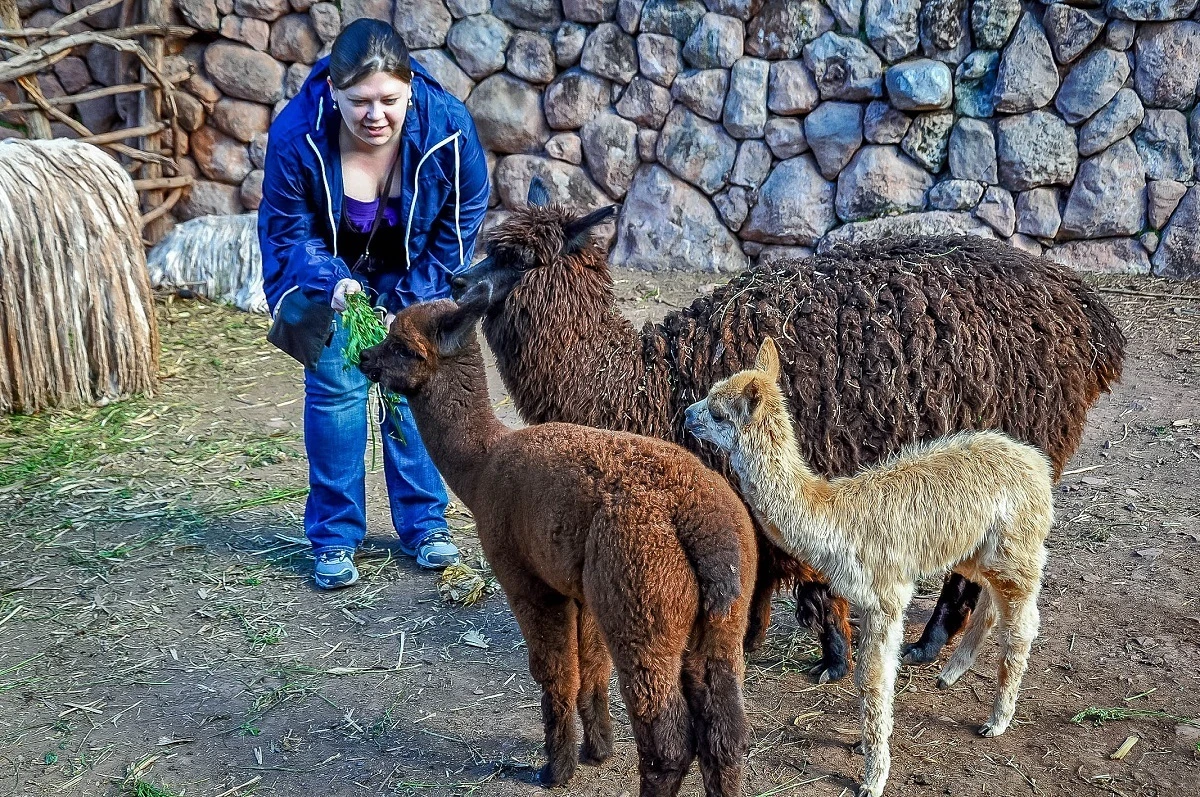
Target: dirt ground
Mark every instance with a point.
(159, 634)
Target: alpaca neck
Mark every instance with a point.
(567, 354)
(458, 427)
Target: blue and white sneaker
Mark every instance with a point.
(335, 569)
(435, 551)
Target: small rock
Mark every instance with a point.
(445, 72)
(1116, 120)
(73, 74)
(544, 15)
(928, 139)
(1070, 30)
(783, 27)
(479, 44)
(703, 91)
(200, 14)
(941, 24)
(835, 132)
(785, 137)
(696, 150)
(920, 84)
(191, 112)
(880, 181)
(992, 21)
(629, 15)
(1149, 239)
(1035, 149)
(465, 8)
(1162, 141)
(883, 124)
(844, 68)
(1027, 77)
(326, 20)
(676, 18)
(1037, 213)
(242, 72)
(1091, 84)
(1168, 64)
(294, 40)
(568, 44)
(745, 112)
(589, 10)
(609, 52)
(1105, 255)
(568, 185)
(716, 43)
(997, 210)
(1178, 253)
(1162, 197)
(610, 149)
(795, 205)
(258, 151)
(531, 57)
(219, 156)
(250, 193)
(974, 84)
(421, 23)
(774, 257)
(752, 165)
(573, 98)
(647, 145)
(733, 206)
(659, 57)
(565, 147)
(741, 9)
(208, 198)
(1120, 33)
(1151, 10)
(791, 89)
(1025, 244)
(240, 119)
(645, 103)
(508, 114)
(955, 195)
(973, 151)
(892, 27)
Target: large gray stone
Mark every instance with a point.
(1070, 30)
(1027, 77)
(465, 8)
(1035, 149)
(879, 181)
(996, 209)
(928, 139)
(1108, 197)
(479, 44)
(220, 157)
(1168, 64)
(1151, 10)
(783, 27)
(508, 115)
(1119, 34)
(955, 195)
(629, 15)
(568, 44)
(1091, 84)
(934, 222)
(703, 91)
(531, 57)
(785, 137)
(752, 165)
(1162, 197)
(746, 103)
(716, 43)
(973, 151)
(244, 73)
(844, 68)
(666, 224)
(941, 24)
(1038, 214)
(422, 23)
(589, 10)
(791, 89)
(891, 27)
(1194, 131)
(1105, 255)
(921, 84)
(565, 147)
(848, 14)
(573, 97)
(883, 124)
(645, 103)
(609, 53)
(445, 72)
(200, 14)
(676, 18)
(1178, 253)
(209, 198)
(1162, 142)
(568, 185)
(659, 57)
(835, 132)
(975, 83)
(610, 149)
(992, 21)
(1116, 120)
(741, 9)
(696, 150)
(543, 15)
(795, 205)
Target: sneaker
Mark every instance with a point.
(335, 569)
(435, 551)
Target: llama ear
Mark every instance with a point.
(751, 398)
(767, 360)
(456, 328)
(576, 234)
(538, 196)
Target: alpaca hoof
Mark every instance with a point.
(754, 640)
(859, 748)
(867, 791)
(918, 654)
(548, 778)
(944, 683)
(826, 672)
(595, 754)
(990, 729)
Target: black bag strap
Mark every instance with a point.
(383, 198)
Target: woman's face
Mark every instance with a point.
(373, 108)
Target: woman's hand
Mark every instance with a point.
(387, 320)
(343, 289)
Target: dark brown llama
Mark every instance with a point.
(882, 344)
(598, 538)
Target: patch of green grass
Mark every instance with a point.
(144, 788)
(248, 728)
(1100, 715)
(364, 328)
(33, 446)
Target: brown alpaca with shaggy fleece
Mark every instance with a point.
(883, 344)
(604, 542)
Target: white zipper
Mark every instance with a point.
(457, 198)
(328, 193)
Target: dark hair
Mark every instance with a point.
(364, 47)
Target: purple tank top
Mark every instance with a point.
(360, 215)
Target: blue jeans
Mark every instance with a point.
(335, 439)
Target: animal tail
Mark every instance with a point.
(1107, 339)
(708, 533)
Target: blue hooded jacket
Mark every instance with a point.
(444, 196)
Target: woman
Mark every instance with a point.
(375, 181)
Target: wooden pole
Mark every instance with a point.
(150, 112)
(38, 123)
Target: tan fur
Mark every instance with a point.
(976, 502)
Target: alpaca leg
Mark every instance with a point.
(828, 616)
(878, 661)
(954, 606)
(595, 667)
(547, 622)
(713, 686)
(978, 628)
(765, 582)
(1020, 619)
(665, 740)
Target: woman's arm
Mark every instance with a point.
(293, 251)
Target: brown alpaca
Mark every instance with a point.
(884, 343)
(978, 502)
(599, 539)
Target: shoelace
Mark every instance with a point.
(437, 536)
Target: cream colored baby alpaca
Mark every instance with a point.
(975, 502)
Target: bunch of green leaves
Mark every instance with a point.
(364, 327)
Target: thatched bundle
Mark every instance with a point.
(77, 319)
(215, 256)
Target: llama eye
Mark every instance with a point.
(716, 414)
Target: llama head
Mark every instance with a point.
(737, 405)
(422, 338)
(542, 235)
